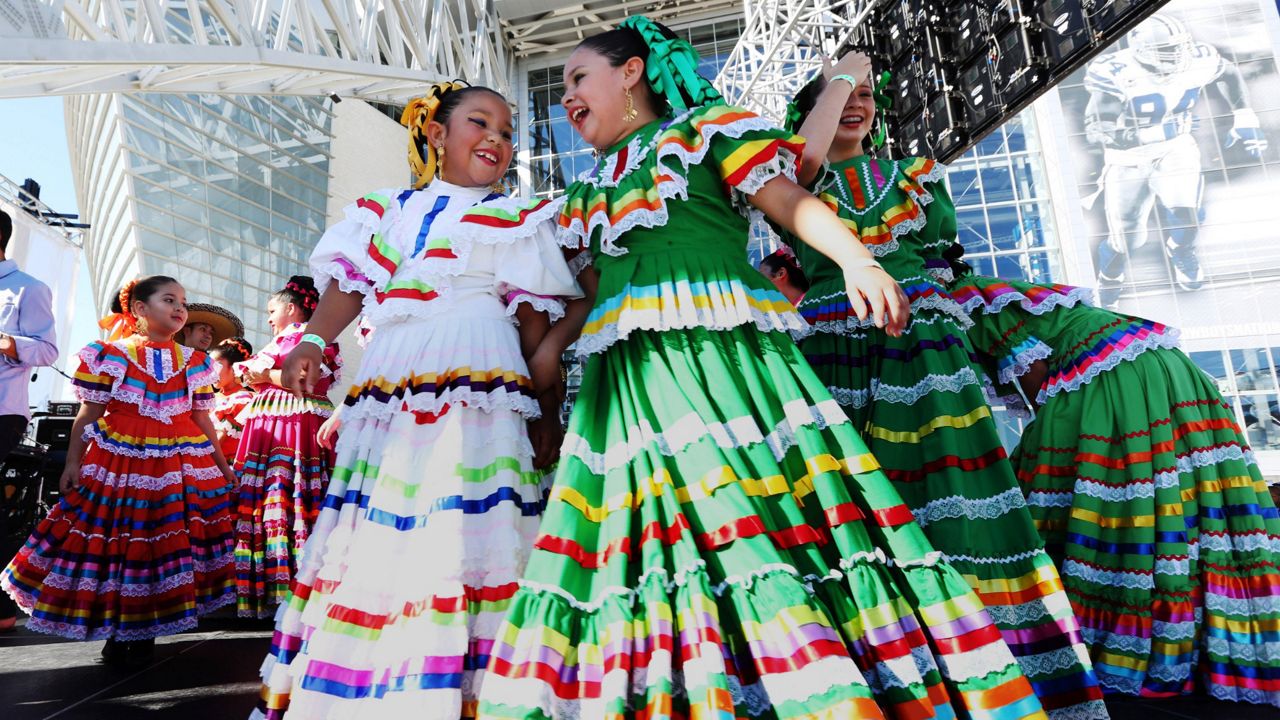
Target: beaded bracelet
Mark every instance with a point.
(314, 340)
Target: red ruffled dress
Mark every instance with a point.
(227, 422)
(284, 473)
(144, 545)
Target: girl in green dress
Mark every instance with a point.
(1144, 490)
(718, 541)
(917, 398)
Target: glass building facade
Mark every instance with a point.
(225, 193)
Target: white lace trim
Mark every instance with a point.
(682, 576)
(910, 395)
(150, 482)
(1177, 631)
(577, 234)
(369, 408)
(1044, 499)
(976, 664)
(957, 506)
(553, 307)
(1091, 710)
(709, 318)
(1054, 661)
(1071, 298)
(580, 262)
(1252, 542)
(1241, 694)
(1266, 652)
(941, 303)
(1163, 340)
(736, 434)
(1020, 363)
(1251, 607)
(1138, 581)
(1012, 616)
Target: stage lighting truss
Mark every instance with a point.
(782, 45)
(380, 50)
(959, 69)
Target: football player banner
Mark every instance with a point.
(1177, 177)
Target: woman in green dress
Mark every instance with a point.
(917, 398)
(718, 541)
(1144, 490)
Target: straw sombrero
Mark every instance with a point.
(224, 323)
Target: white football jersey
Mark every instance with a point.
(1159, 107)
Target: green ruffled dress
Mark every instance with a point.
(919, 403)
(718, 541)
(1144, 490)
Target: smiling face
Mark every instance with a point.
(855, 122)
(477, 140)
(165, 311)
(594, 98)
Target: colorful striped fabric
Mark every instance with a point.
(719, 543)
(919, 402)
(434, 502)
(1146, 493)
(145, 481)
(283, 474)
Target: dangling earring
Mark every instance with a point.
(629, 112)
(141, 326)
(500, 186)
(440, 162)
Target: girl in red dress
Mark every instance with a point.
(141, 542)
(232, 397)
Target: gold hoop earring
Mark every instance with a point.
(440, 161)
(629, 112)
(141, 326)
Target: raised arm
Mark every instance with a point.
(819, 128)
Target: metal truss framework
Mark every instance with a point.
(782, 46)
(379, 50)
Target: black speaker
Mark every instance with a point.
(971, 30)
(978, 92)
(910, 137)
(54, 431)
(946, 128)
(1104, 15)
(1066, 29)
(64, 409)
(907, 86)
(1020, 64)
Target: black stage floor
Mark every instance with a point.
(212, 675)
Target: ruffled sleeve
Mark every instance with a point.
(268, 358)
(358, 252)
(532, 270)
(1004, 336)
(102, 367)
(201, 375)
(745, 149)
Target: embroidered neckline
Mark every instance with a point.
(834, 172)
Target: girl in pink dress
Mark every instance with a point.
(283, 470)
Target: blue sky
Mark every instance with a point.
(34, 145)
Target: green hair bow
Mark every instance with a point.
(672, 67)
(884, 103)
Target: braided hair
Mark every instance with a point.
(671, 79)
(301, 291)
(233, 350)
(436, 106)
